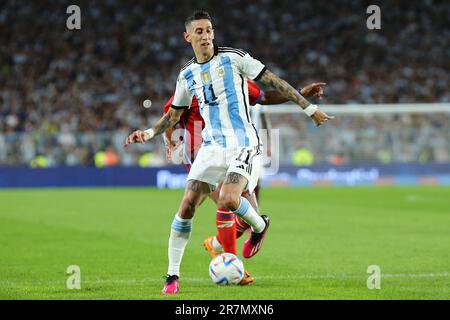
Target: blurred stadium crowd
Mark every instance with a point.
(67, 95)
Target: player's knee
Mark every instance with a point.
(229, 202)
(214, 196)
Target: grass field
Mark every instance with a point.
(319, 245)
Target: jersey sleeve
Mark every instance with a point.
(250, 67)
(182, 97)
(168, 104)
(255, 94)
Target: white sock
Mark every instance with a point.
(179, 237)
(216, 244)
(249, 215)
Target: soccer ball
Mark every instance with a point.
(225, 269)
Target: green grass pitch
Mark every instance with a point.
(319, 246)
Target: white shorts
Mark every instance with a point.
(214, 162)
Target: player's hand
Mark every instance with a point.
(313, 90)
(319, 117)
(169, 149)
(137, 136)
(168, 153)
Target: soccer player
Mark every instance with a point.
(188, 141)
(231, 150)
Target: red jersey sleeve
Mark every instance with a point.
(168, 104)
(254, 93)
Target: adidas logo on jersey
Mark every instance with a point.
(221, 71)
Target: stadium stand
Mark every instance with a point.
(67, 95)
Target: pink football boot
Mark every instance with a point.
(254, 243)
(171, 286)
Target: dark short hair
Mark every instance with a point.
(197, 15)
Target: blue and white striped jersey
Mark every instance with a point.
(220, 86)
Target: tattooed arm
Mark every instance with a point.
(286, 90)
(168, 120)
(311, 90)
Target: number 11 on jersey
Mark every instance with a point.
(208, 94)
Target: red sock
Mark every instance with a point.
(241, 226)
(226, 228)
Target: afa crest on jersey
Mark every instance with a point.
(206, 77)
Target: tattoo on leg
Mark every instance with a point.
(233, 178)
(193, 185)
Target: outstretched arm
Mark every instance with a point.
(312, 90)
(272, 97)
(284, 88)
(168, 120)
(287, 91)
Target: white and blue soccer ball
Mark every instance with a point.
(225, 269)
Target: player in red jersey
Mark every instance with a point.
(186, 142)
